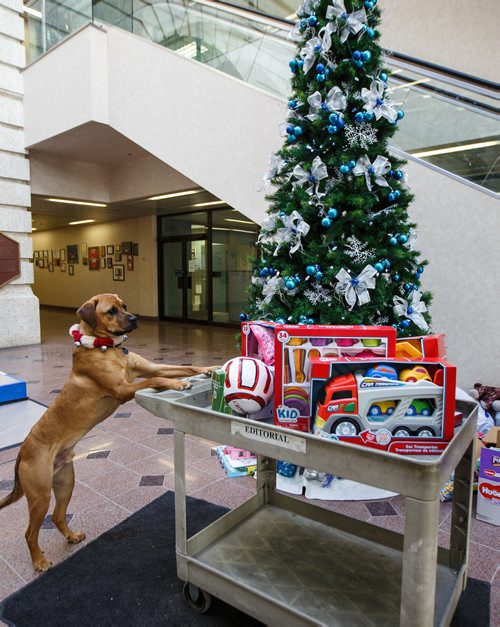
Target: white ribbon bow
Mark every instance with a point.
(317, 173)
(376, 104)
(270, 287)
(294, 227)
(356, 288)
(378, 168)
(335, 101)
(412, 309)
(314, 47)
(346, 23)
(276, 164)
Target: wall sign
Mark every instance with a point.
(10, 261)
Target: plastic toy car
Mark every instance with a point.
(414, 374)
(382, 372)
(382, 408)
(419, 407)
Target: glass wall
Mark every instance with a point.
(205, 265)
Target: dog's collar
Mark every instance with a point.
(91, 341)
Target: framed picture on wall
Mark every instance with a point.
(110, 262)
(118, 257)
(51, 267)
(36, 254)
(118, 248)
(71, 270)
(62, 254)
(130, 262)
(103, 262)
(94, 256)
(118, 272)
(110, 249)
(103, 251)
(84, 250)
(135, 249)
(72, 253)
(85, 261)
(63, 266)
(45, 253)
(126, 248)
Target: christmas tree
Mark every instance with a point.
(337, 246)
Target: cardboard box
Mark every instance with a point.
(488, 496)
(397, 405)
(11, 389)
(217, 385)
(426, 346)
(295, 347)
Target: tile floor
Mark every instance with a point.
(127, 461)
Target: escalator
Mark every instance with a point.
(451, 122)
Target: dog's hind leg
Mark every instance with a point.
(62, 484)
(37, 491)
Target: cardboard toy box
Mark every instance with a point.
(422, 347)
(398, 405)
(296, 345)
(488, 497)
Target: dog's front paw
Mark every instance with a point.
(207, 371)
(42, 564)
(182, 385)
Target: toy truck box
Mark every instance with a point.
(294, 348)
(488, 494)
(398, 405)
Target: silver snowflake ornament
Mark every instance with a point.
(360, 134)
(357, 250)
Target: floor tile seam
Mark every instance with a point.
(11, 567)
(486, 546)
(106, 498)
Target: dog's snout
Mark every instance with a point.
(132, 320)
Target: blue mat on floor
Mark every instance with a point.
(127, 577)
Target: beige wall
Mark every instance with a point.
(139, 289)
(458, 34)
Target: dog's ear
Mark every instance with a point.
(87, 313)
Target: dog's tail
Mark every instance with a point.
(17, 491)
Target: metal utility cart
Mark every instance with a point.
(288, 562)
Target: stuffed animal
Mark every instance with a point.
(488, 397)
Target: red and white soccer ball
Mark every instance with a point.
(249, 385)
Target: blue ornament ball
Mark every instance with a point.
(401, 115)
(290, 129)
(311, 270)
(332, 129)
(280, 320)
(351, 164)
(359, 117)
(358, 63)
(303, 24)
(356, 55)
(366, 55)
(292, 138)
(397, 193)
(290, 284)
(320, 68)
(312, 20)
(370, 32)
(405, 323)
(383, 77)
(264, 272)
(391, 197)
(326, 223)
(243, 317)
(300, 63)
(333, 118)
(387, 263)
(292, 104)
(395, 277)
(344, 169)
(332, 213)
(293, 65)
(369, 4)
(319, 275)
(320, 78)
(379, 266)
(403, 239)
(400, 175)
(420, 269)
(393, 241)
(297, 131)
(369, 116)
(341, 123)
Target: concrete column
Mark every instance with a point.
(19, 308)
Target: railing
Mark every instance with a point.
(451, 121)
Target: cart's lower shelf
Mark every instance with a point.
(316, 571)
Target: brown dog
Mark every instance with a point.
(101, 379)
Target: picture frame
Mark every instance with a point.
(110, 249)
(51, 267)
(63, 267)
(62, 254)
(103, 251)
(71, 270)
(117, 248)
(94, 257)
(36, 254)
(130, 262)
(72, 253)
(45, 253)
(118, 272)
(85, 261)
(135, 250)
(118, 257)
(84, 250)
(126, 248)
(109, 262)
(103, 262)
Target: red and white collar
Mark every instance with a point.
(91, 341)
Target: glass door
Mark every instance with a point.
(184, 274)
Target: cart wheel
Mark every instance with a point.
(197, 599)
